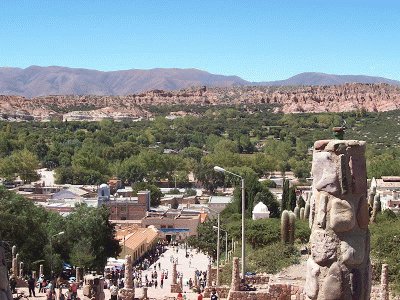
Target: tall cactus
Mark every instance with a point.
(307, 210)
(302, 213)
(285, 227)
(297, 212)
(376, 208)
(292, 227)
(371, 196)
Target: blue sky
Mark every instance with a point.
(256, 40)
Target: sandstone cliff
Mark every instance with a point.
(348, 97)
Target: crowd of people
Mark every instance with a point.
(47, 287)
(147, 272)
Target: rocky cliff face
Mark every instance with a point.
(348, 97)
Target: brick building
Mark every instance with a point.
(129, 208)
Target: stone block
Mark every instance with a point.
(341, 215)
(324, 171)
(353, 249)
(358, 170)
(363, 213)
(312, 287)
(332, 285)
(323, 247)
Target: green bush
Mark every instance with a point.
(272, 258)
(303, 231)
(385, 241)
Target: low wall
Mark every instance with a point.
(277, 291)
(257, 279)
(222, 291)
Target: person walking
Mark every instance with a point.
(199, 295)
(214, 295)
(114, 291)
(31, 286)
(13, 283)
(74, 290)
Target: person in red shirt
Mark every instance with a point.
(74, 291)
(200, 295)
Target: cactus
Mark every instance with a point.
(292, 227)
(376, 208)
(285, 227)
(302, 213)
(297, 212)
(377, 203)
(307, 210)
(371, 196)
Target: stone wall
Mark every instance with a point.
(258, 279)
(222, 291)
(274, 292)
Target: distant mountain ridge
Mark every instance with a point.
(37, 81)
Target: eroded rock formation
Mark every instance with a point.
(338, 98)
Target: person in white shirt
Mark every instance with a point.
(114, 291)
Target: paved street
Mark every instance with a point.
(199, 262)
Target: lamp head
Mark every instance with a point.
(219, 169)
(215, 227)
(60, 233)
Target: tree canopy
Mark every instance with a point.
(87, 242)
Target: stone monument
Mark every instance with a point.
(5, 292)
(175, 286)
(339, 265)
(128, 292)
(93, 286)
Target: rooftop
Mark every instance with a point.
(220, 199)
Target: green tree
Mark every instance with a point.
(285, 195)
(23, 163)
(292, 199)
(266, 197)
(96, 233)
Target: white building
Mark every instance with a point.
(260, 211)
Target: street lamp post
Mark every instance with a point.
(226, 242)
(51, 252)
(218, 236)
(222, 170)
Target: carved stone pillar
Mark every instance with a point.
(128, 292)
(145, 293)
(235, 285)
(78, 274)
(209, 282)
(339, 265)
(196, 281)
(173, 273)
(384, 283)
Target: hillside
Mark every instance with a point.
(37, 81)
(340, 98)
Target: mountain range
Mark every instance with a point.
(37, 81)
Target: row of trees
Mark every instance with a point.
(87, 242)
(89, 153)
